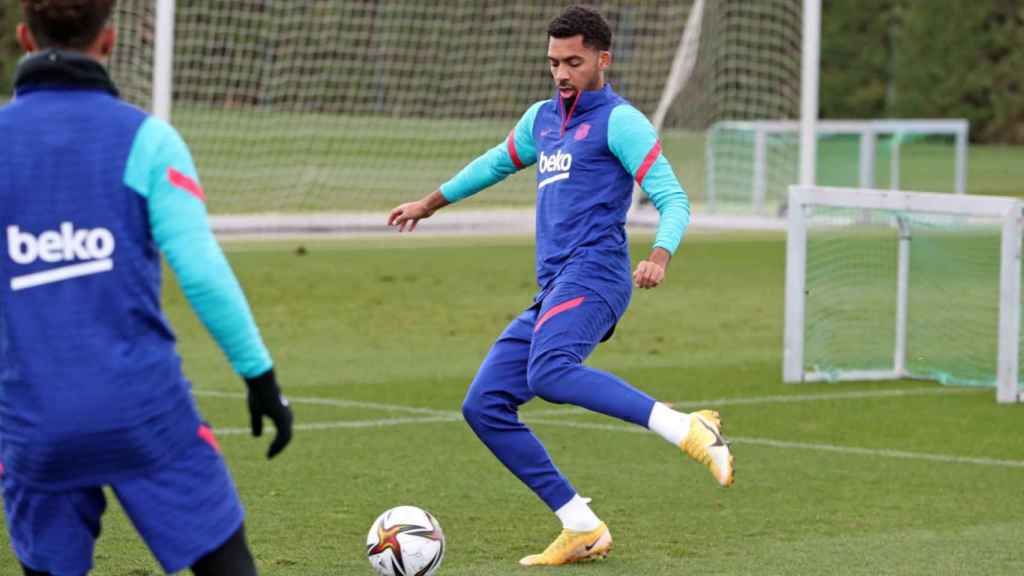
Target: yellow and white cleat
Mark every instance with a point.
(571, 546)
(706, 445)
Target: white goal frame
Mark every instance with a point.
(868, 132)
(1009, 210)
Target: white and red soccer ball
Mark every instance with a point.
(405, 541)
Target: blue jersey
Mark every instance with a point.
(588, 157)
(92, 190)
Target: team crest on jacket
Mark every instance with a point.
(582, 131)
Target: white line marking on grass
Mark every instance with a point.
(784, 399)
(883, 452)
(886, 453)
(778, 399)
(348, 424)
(449, 416)
(338, 403)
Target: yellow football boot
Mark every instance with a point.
(706, 445)
(571, 546)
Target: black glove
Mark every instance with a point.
(265, 399)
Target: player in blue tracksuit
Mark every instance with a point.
(92, 394)
(590, 146)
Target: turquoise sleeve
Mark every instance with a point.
(517, 152)
(160, 169)
(632, 140)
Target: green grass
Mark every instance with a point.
(259, 162)
(927, 165)
(406, 321)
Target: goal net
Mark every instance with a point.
(326, 106)
(884, 285)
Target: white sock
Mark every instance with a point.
(577, 516)
(669, 424)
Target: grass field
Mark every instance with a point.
(260, 162)
(376, 341)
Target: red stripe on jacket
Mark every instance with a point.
(512, 151)
(649, 160)
(179, 180)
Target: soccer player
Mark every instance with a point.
(92, 393)
(590, 146)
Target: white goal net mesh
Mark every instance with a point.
(952, 294)
(326, 106)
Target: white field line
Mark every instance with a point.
(779, 399)
(883, 452)
(448, 416)
(785, 399)
(338, 403)
(382, 423)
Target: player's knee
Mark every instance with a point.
(482, 410)
(472, 408)
(547, 372)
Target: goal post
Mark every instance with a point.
(888, 285)
(747, 168)
(163, 59)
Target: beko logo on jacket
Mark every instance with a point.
(559, 162)
(83, 251)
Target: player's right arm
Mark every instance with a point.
(516, 152)
(160, 168)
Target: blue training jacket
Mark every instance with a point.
(92, 190)
(587, 158)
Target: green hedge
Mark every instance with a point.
(10, 14)
(856, 38)
(926, 59)
(966, 60)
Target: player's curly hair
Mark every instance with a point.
(72, 24)
(585, 21)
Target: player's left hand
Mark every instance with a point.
(265, 399)
(409, 214)
(651, 272)
(648, 274)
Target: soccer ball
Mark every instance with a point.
(405, 541)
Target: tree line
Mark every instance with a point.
(926, 59)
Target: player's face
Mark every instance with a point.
(575, 67)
